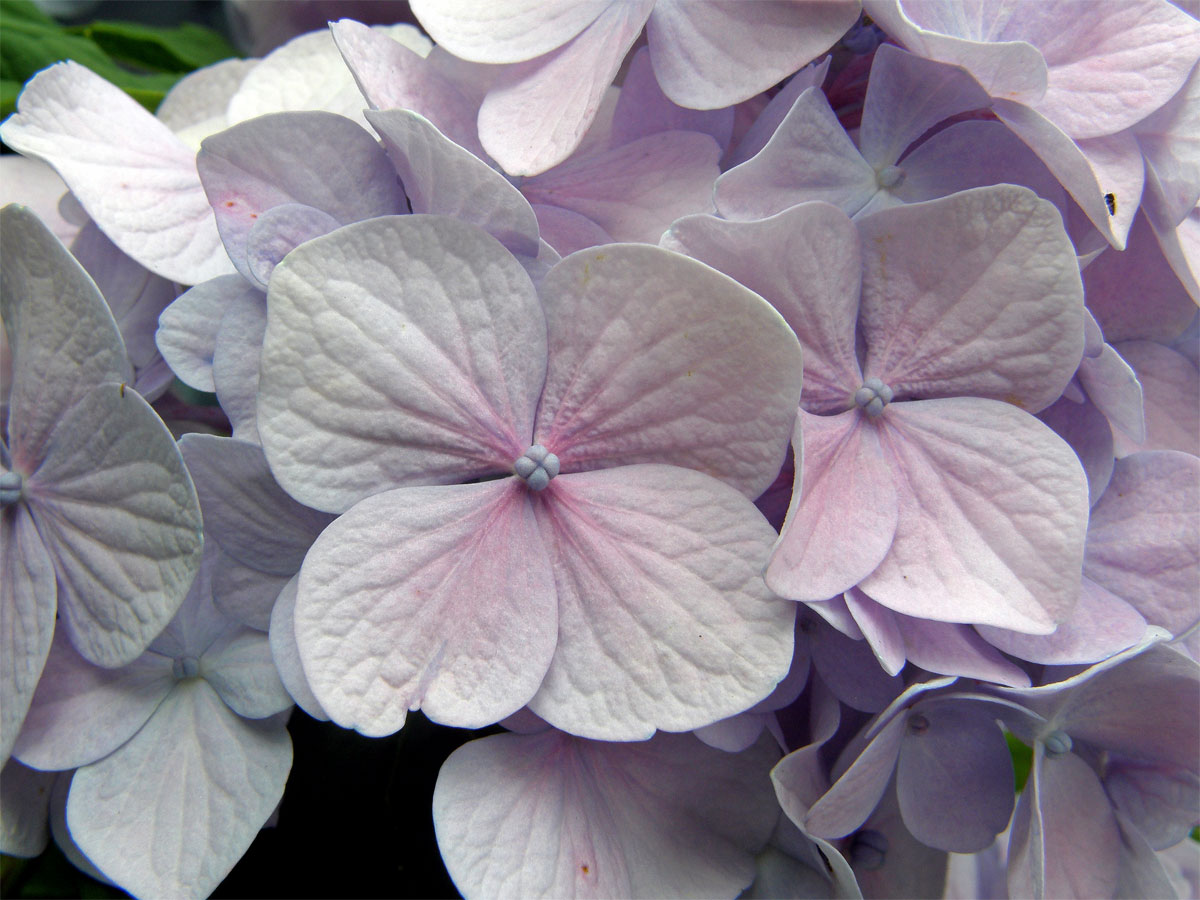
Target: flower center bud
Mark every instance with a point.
(873, 396)
(536, 466)
(1057, 743)
(868, 850)
(185, 667)
(11, 484)
(890, 177)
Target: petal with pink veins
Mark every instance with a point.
(664, 621)
(844, 512)
(991, 307)
(400, 350)
(993, 512)
(537, 112)
(437, 597)
(1109, 68)
(806, 262)
(657, 358)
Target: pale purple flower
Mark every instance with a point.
(560, 59)
(100, 521)
(574, 571)
(918, 484)
(181, 755)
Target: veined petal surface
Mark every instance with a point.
(130, 172)
(709, 55)
(119, 515)
(438, 597)
(843, 513)
(81, 712)
(27, 604)
(172, 811)
(657, 358)
(664, 621)
(549, 815)
(400, 350)
(977, 294)
(806, 262)
(993, 513)
(61, 335)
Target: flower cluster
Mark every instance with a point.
(770, 423)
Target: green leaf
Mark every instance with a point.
(28, 46)
(23, 10)
(1022, 758)
(9, 90)
(181, 49)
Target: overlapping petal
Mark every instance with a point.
(130, 172)
(993, 307)
(201, 825)
(656, 358)
(663, 619)
(551, 815)
(401, 350)
(437, 597)
(118, 513)
(966, 549)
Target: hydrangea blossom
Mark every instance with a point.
(471, 477)
(599, 548)
(100, 519)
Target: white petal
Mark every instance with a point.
(423, 365)
(547, 815)
(172, 811)
(120, 517)
(132, 175)
(62, 337)
(27, 604)
(664, 619)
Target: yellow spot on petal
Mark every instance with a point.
(584, 869)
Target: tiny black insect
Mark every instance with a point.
(1111, 200)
